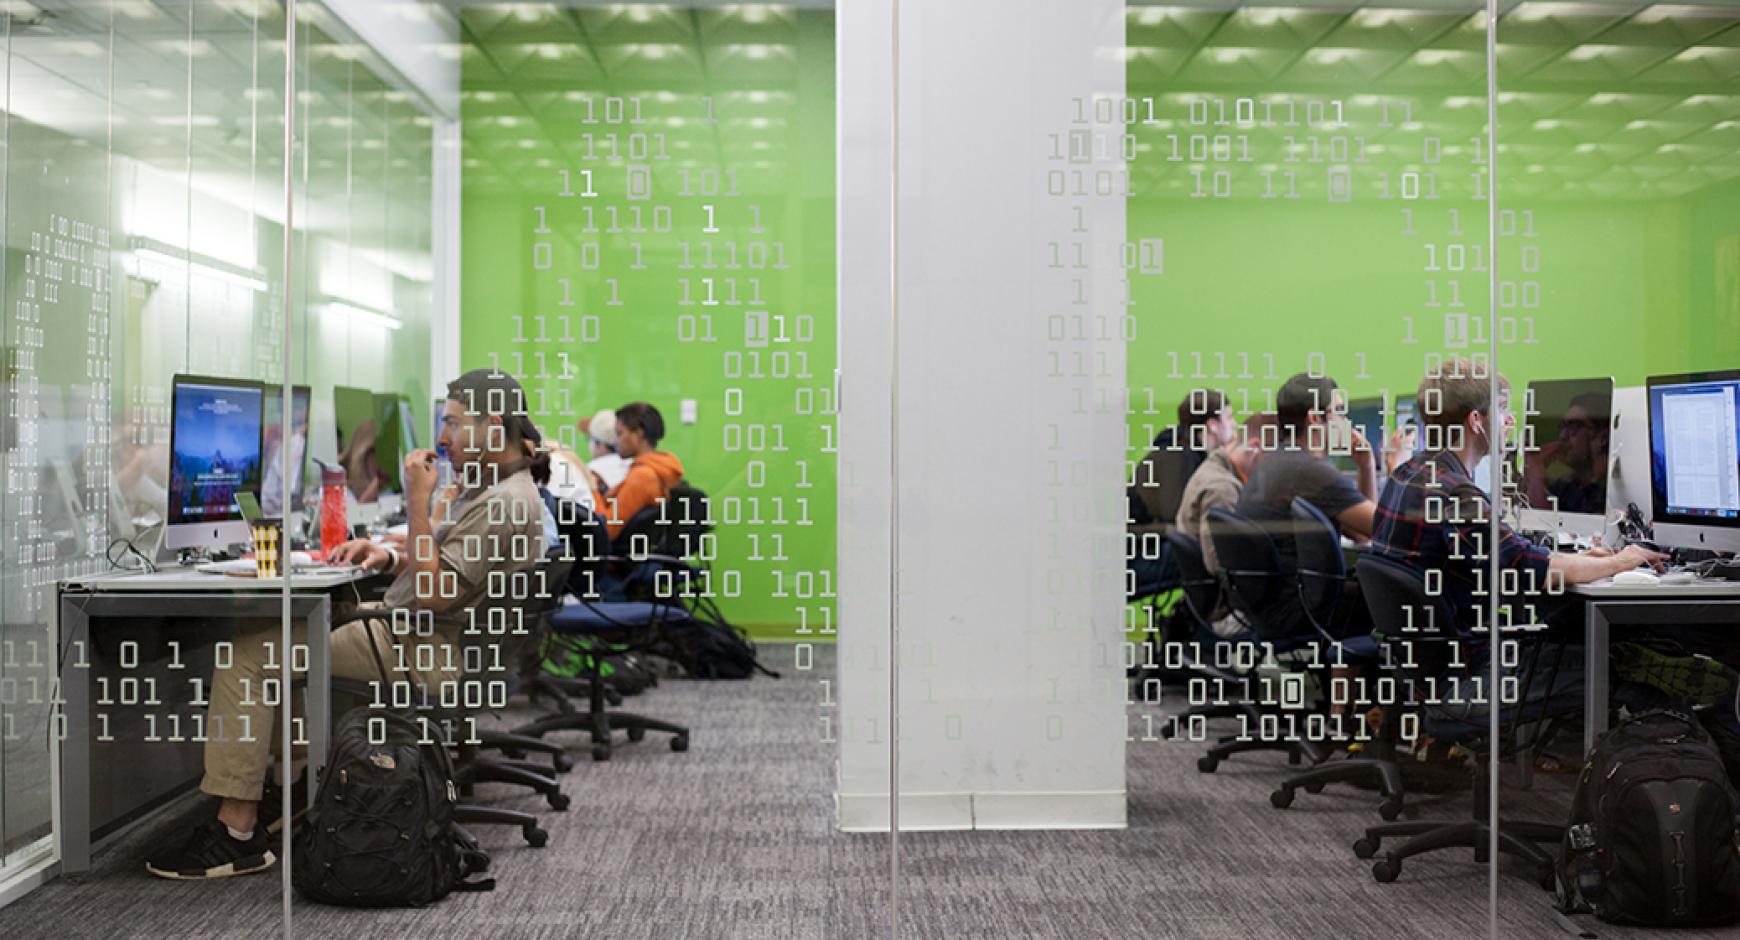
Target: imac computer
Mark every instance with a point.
(1567, 429)
(1694, 456)
(272, 449)
(1628, 480)
(214, 453)
(354, 421)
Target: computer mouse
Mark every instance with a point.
(1637, 576)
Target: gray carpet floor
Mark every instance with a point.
(734, 840)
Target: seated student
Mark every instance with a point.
(651, 472)
(570, 478)
(611, 467)
(1218, 483)
(1435, 517)
(1205, 424)
(455, 543)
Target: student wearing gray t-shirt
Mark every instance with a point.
(455, 540)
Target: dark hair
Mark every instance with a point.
(1455, 389)
(1200, 407)
(1302, 396)
(642, 417)
(488, 392)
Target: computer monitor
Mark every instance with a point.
(407, 427)
(357, 429)
(389, 448)
(1628, 479)
(1567, 430)
(214, 452)
(1367, 416)
(1694, 457)
(272, 489)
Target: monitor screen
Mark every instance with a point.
(214, 447)
(389, 444)
(272, 489)
(1567, 432)
(357, 427)
(1694, 436)
(407, 427)
(1367, 416)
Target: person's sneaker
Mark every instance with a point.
(1691, 678)
(209, 851)
(272, 802)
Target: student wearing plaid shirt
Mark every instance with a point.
(1434, 516)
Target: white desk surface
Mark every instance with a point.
(1605, 589)
(176, 579)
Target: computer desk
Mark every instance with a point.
(177, 593)
(1606, 603)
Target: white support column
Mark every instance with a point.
(1011, 414)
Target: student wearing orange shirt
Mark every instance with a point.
(651, 473)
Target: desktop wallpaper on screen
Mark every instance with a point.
(216, 452)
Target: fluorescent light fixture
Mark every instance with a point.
(1374, 19)
(1693, 54)
(1589, 52)
(149, 250)
(1462, 101)
(1637, 125)
(1585, 148)
(357, 313)
(1431, 57)
(1228, 56)
(1265, 16)
(1330, 56)
(1546, 125)
(1536, 168)
(1606, 97)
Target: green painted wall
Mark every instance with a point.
(740, 320)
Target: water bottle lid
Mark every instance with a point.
(330, 473)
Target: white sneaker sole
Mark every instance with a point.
(222, 871)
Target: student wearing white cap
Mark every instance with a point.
(610, 466)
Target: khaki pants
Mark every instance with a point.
(241, 726)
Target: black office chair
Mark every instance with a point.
(1201, 598)
(1421, 639)
(1259, 591)
(1321, 579)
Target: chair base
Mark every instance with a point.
(535, 836)
(601, 724)
(1386, 774)
(1297, 751)
(1515, 837)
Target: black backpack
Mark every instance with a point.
(709, 650)
(1652, 835)
(381, 832)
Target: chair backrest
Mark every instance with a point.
(1418, 631)
(1257, 587)
(1201, 586)
(1320, 569)
(584, 543)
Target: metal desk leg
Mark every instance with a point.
(1594, 675)
(319, 690)
(75, 751)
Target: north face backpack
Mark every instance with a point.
(381, 832)
(1652, 834)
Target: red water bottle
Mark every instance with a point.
(334, 527)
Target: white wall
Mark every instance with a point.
(1009, 493)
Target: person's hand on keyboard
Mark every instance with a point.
(362, 553)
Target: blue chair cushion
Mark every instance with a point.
(600, 617)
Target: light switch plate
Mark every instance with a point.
(690, 410)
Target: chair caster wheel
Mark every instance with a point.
(600, 752)
(1294, 758)
(535, 837)
(1314, 788)
(1386, 870)
(1547, 878)
(557, 801)
(1390, 809)
(613, 698)
(680, 743)
(562, 763)
(1365, 847)
(513, 753)
(635, 734)
(1207, 764)
(1282, 798)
